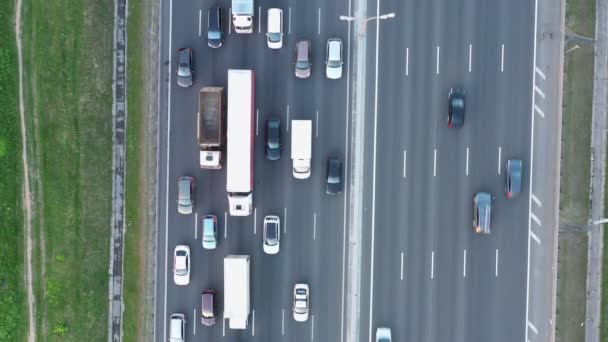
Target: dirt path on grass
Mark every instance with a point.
(27, 201)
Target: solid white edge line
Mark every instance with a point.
(407, 61)
(346, 128)
(467, 163)
(535, 199)
(464, 264)
(373, 218)
(282, 321)
(401, 265)
(200, 18)
(167, 171)
(432, 264)
(502, 58)
(435, 163)
(255, 220)
(470, 56)
(253, 323)
(225, 224)
(499, 157)
(194, 324)
(195, 226)
(496, 264)
(437, 59)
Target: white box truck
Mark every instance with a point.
(239, 150)
(209, 133)
(301, 147)
(242, 16)
(236, 291)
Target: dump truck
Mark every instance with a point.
(210, 122)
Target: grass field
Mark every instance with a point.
(13, 319)
(68, 61)
(580, 17)
(134, 263)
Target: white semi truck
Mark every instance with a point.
(301, 147)
(239, 174)
(242, 16)
(236, 291)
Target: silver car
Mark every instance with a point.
(301, 302)
(333, 59)
(271, 234)
(185, 189)
(383, 334)
(303, 63)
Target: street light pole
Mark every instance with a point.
(365, 20)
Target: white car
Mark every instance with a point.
(271, 234)
(177, 328)
(333, 59)
(301, 302)
(383, 334)
(181, 265)
(274, 35)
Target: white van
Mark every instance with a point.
(274, 35)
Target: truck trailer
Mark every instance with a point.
(301, 147)
(236, 291)
(242, 16)
(239, 174)
(209, 133)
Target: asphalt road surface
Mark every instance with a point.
(313, 237)
(425, 273)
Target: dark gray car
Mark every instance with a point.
(334, 175)
(482, 212)
(208, 308)
(215, 31)
(514, 171)
(184, 67)
(273, 139)
(456, 107)
(303, 63)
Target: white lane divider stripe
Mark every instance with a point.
(499, 157)
(535, 199)
(539, 111)
(225, 225)
(502, 58)
(539, 92)
(531, 326)
(432, 264)
(407, 61)
(195, 226)
(464, 265)
(534, 237)
(437, 67)
(540, 72)
(255, 220)
(401, 265)
(496, 264)
(467, 163)
(533, 217)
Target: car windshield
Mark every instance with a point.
(271, 233)
(274, 37)
(457, 102)
(213, 35)
(333, 64)
(302, 65)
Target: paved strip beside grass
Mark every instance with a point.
(13, 319)
(68, 66)
(604, 296)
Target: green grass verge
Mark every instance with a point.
(576, 136)
(571, 287)
(580, 17)
(68, 59)
(13, 319)
(133, 282)
(604, 286)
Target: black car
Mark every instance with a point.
(456, 107)
(215, 32)
(514, 171)
(185, 68)
(334, 175)
(273, 139)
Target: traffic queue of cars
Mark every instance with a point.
(271, 234)
(482, 201)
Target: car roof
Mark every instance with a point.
(184, 56)
(333, 47)
(207, 302)
(484, 206)
(302, 49)
(274, 21)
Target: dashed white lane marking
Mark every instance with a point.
(283, 316)
(257, 119)
(499, 156)
(223, 325)
(317, 125)
(312, 328)
(225, 224)
(194, 325)
(401, 265)
(539, 111)
(496, 264)
(536, 219)
(502, 58)
(230, 16)
(539, 92)
(287, 125)
(195, 226)
(467, 163)
(314, 226)
(534, 237)
(289, 22)
(260, 19)
(200, 18)
(285, 220)
(253, 323)
(255, 220)
(531, 326)
(407, 61)
(432, 264)
(435, 163)
(437, 66)
(470, 56)
(464, 264)
(540, 72)
(404, 163)
(319, 22)
(535, 199)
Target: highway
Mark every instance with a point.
(313, 223)
(425, 272)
